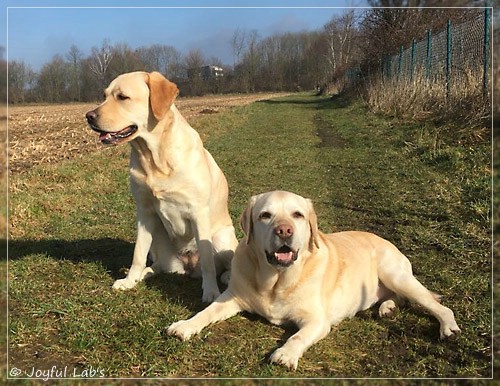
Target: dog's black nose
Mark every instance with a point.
(91, 116)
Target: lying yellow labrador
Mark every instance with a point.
(285, 269)
(180, 192)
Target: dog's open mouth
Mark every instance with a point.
(284, 256)
(112, 138)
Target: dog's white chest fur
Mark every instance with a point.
(169, 206)
(174, 218)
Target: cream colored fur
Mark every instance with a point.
(315, 281)
(180, 192)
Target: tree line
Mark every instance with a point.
(282, 62)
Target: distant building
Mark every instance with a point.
(206, 72)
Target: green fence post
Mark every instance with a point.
(486, 49)
(389, 67)
(400, 61)
(412, 63)
(448, 58)
(428, 56)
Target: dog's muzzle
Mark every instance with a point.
(107, 137)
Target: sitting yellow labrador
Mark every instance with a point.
(180, 192)
(285, 269)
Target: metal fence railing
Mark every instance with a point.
(445, 56)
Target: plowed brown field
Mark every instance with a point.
(41, 134)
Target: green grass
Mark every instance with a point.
(72, 233)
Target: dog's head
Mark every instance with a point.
(133, 102)
(280, 226)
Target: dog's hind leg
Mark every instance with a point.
(390, 301)
(164, 253)
(396, 274)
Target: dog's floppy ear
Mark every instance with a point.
(313, 225)
(162, 94)
(246, 221)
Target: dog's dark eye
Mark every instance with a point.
(265, 216)
(297, 214)
(122, 97)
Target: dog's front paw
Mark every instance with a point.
(284, 357)
(449, 331)
(182, 329)
(124, 284)
(448, 328)
(387, 308)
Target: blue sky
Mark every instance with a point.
(39, 29)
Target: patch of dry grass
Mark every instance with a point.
(464, 107)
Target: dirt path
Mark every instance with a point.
(41, 134)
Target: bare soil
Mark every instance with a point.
(43, 134)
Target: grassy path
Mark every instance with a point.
(71, 238)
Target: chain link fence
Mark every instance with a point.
(455, 54)
(459, 53)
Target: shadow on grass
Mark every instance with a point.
(321, 102)
(113, 254)
(179, 289)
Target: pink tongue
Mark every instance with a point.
(284, 256)
(104, 136)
